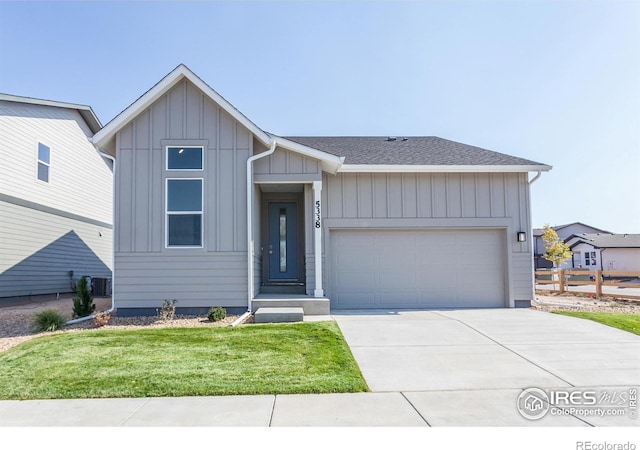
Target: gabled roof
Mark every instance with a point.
(344, 154)
(85, 111)
(106, 137)
(428, 153)
(540, 231)
(600, 240)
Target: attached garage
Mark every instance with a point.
(418, 268)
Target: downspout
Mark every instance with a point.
(533, 180)
(113, 252)
(250, 250)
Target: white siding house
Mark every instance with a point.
(55, 197)
(597, 251)
(210, 210)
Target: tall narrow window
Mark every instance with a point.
(44, 162)
(184, 212)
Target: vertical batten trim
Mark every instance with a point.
(234, 191)
(491, 214)
(184, 109)
(475, 191)
(150, 191)
(386, 190)
(418, 196)
(505, 196)
(461, 186)
(201, 134)
(217, 172)
(134, 143)
(433, 195)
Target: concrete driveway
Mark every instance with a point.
(468, 367)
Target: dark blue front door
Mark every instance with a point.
(283, 241)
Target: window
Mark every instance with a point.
(44, 162)
(184, 212)
(185, 158)
(590, 258)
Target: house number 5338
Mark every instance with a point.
(317, 213)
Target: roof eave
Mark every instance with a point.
(330, 163)
(85, 111)
(441, 168)
(109, 131)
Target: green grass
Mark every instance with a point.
(626, 322)
(254, 359)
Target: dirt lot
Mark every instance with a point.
(16, 318)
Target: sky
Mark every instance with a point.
(557, 82)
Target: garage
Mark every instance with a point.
(417, 268)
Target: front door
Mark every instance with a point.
(282, 248)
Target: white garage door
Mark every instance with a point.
(417, 268)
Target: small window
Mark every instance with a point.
(44, 162)
(184, 212)
(184, 158)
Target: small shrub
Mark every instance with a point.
(48, 320)
(83, 302)
(101, 320)
(217, 313)
(168, 310)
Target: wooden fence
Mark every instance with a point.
(597, 278)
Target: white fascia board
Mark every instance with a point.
(439, 168)
(85, 111)
(330, 163)
(162, 87)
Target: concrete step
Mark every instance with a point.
(278, 315)
(311, 306)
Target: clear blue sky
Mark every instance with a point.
(555, 82)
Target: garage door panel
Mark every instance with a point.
(417, 268)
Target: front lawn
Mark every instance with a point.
(626, 322)
(255, 359)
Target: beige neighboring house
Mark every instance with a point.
(55, 198)
(211, 210)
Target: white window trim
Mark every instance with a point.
(166, 158)
(39, 161)
(176, 213)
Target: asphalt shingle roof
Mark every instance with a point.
(610, 240)
(410, 150)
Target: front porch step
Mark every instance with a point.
(293, 289)
(278, 315)
(311, 306)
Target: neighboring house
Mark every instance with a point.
(55, 197)
(597, 251)
(210, 210)
(564, 232)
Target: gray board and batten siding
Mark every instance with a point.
(434, 201)
(146, 271)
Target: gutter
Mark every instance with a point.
(113, 255)
(250, 250)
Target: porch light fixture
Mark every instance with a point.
(521, 236)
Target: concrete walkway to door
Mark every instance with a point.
(468, 367)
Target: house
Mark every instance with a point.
(211, 210)
(598, 251)
(564, 232)
(55, 197)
